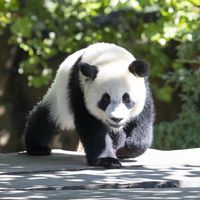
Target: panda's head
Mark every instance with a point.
(113, 84)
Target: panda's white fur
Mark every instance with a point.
(113, 77)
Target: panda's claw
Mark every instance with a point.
(108, 163)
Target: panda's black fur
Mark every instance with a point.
(102, 144)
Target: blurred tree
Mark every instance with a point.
(41, 33)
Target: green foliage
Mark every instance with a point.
(166, 33)
(183, 132)
(44, 29)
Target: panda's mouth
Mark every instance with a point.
(115, 125)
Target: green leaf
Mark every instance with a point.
(22, 27)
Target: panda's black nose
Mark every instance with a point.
(116, 119)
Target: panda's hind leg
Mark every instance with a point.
(39, 131)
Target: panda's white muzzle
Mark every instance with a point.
(117, 114)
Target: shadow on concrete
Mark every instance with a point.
(66, 175)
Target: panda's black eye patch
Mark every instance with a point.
(104, 102)
(127, 101)
(126, 98)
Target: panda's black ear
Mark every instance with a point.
(87, 70)
(139, 68)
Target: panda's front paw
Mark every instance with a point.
(108, 163)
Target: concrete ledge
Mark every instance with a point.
(161, 173)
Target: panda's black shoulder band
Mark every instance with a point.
(139, 68)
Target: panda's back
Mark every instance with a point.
(57, 98)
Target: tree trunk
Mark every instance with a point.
(13, 98)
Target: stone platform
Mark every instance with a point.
(65, 175)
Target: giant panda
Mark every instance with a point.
(103, 93)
